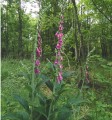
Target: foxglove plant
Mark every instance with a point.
(38, 54)
(59, 58)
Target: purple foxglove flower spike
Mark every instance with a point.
(38, 54)
(59, 58)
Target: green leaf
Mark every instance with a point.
(44, 77)
(28, 87)
(41, 110)
(76, 100)
(64, 113)
(42, 99)
(22, 115)
(47, 81)
(11, 116)
(109, 64)
(49, 85)
(68, 73)
(50, 65)
(23, 102)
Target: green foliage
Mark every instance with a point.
(16, 116)
(44, 106)
(58, 101)
(23, 102)
(47, 100)
(95, 28)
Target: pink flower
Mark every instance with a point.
(59, 77)
(37, 71)
(39, 36)
(60, 41)
(56, 61)
(61, 58)
(61, 66)
(59, 53)
(60, 27)
(58, 46)
(60, 35)
(37, 63)
(56, 34)
(38, 52)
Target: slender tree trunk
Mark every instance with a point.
(110, 43)
(13, 49)
(110, 49)
(20, 44)
(88, 37)
(104, 49)
(77, 54)
(6, 34)
(79, 30)
(103, 45)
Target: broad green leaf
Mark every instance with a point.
(49, 85)
(23, 102)
(41, 110)
(43, 77)
(64, 113)
(16, 116)
(11, 116)
(76, 100)
(47, 81)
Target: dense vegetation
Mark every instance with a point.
(85, 90)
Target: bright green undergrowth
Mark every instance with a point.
(90, 103)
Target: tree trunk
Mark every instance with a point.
(77, 54)
(110, 49)
(79, 30)
(110, 44)
(6, 34)
(20, 44)
(103, 45)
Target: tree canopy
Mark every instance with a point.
(87, 24)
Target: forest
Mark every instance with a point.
(56, 60)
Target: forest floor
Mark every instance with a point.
(98, 96)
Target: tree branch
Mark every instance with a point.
(101, 11)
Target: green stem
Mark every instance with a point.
(50, 108)
(67, 59)
(33, 78)
(33, 75)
